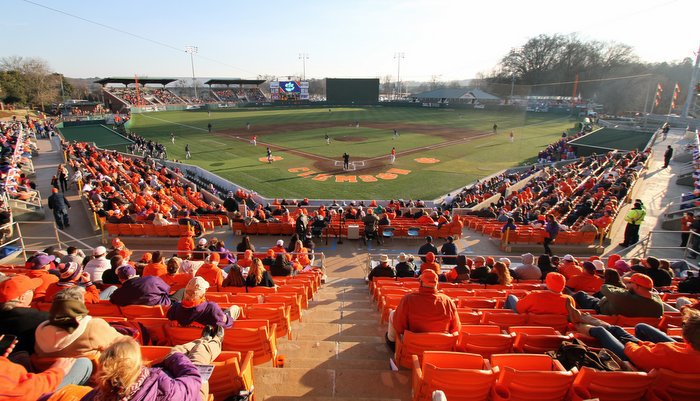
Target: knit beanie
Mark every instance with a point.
(69, 271)
(64, 313)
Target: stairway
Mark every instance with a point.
(338, 352)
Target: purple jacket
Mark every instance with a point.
(147, 290)
(176, 378)
(206, 313)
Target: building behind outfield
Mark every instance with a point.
(457, 96)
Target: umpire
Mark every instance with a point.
(59, 204)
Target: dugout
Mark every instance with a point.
(604, 140)
(352, 90)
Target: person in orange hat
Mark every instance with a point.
(549, 301)
(637, 300)
(424, 311)
(17, 317)
(120, 249)
(429, 264)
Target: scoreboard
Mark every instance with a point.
(289, 90)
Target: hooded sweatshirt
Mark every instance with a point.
(90, 337)
(528, 270)
(430, 263)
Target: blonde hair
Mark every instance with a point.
(298, 245)
(503, 273)
(256, 270)
(120, 366)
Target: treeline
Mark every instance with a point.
(548, 65)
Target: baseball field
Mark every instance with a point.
(437, 150)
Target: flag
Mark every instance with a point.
(676, 93)
(657, 97)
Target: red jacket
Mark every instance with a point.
(17, 384)
(426, 311)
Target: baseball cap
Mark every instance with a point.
(599, 265)
(280, 242)
(402, 257)
(555, 282)
(125, 271)
(214, 257)
(40, 261)
(202, 241)
(15, 286)
(641, 280)
(100, 250)
(196, 288)
(568, 258)
(117, 243)
(429, 278)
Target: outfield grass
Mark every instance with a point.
(460, 164)
(611, 138)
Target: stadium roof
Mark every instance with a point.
(234, 82)
(128, 80)
(456, 93)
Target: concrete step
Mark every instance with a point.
(337, 304)
(324, 381)
(318, 315)
(24, 214)
(361, 332)
(327, 350)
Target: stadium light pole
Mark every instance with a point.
(192, 50)
(398, 56)
(303, 57)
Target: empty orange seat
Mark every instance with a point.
(134, 311)
(530, 377)
(461, 376)
(416, 343)
(559, 323)
(610, 386)
(670, 385)
(536, 339)
(503, 320)
(484, 340)
(275, 314)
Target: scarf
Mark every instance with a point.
(65, 314)
(192, 303)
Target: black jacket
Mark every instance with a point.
(22, 322)
(57, 202)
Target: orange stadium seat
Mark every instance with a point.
(670, 385)
(610, 386)
(536, 339)
(461, 376)
(484, 340)
(416, 343)
(530, 377)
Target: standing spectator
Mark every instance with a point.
(62, 173)
(59, 204)
(552, 228)
(668, 154)
(634, 219)
(686, 223)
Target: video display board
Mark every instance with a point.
(289, 90)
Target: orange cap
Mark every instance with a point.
(555, 282)
(641, 280)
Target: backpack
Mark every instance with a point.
(575, 354)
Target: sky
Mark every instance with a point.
(439, 39)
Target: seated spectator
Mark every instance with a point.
(159, 220)
(234, 278)
(549, 301)
(544, 262)
(424, 311)
(137, 290)
(245, 260)
(73, 254)
(637, 300)
(383, 269)
(528, 270)
(509, 225)
(429, 264)
(448, 251)
(660, 277)
(109, 276)
(649, 348)
(185, 245)
(123, 376)
(569, 267)
(119, 248)
(156, 267)
(200, 251)
(70, 331)
(622, 267)
(17, 317)
(587, 281)
(269, 259)
(245, 245)
(98, 264)
(211, 272)
(499, 275)
(281, 267)
(480, 270)
(71, 275)
(18, 384)
(460, 273)
(258, 276)
(300, 257)
(40, 269)
(194, 308)
(279, 247)
(612, 277)
(405, 267)
(174, 277)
